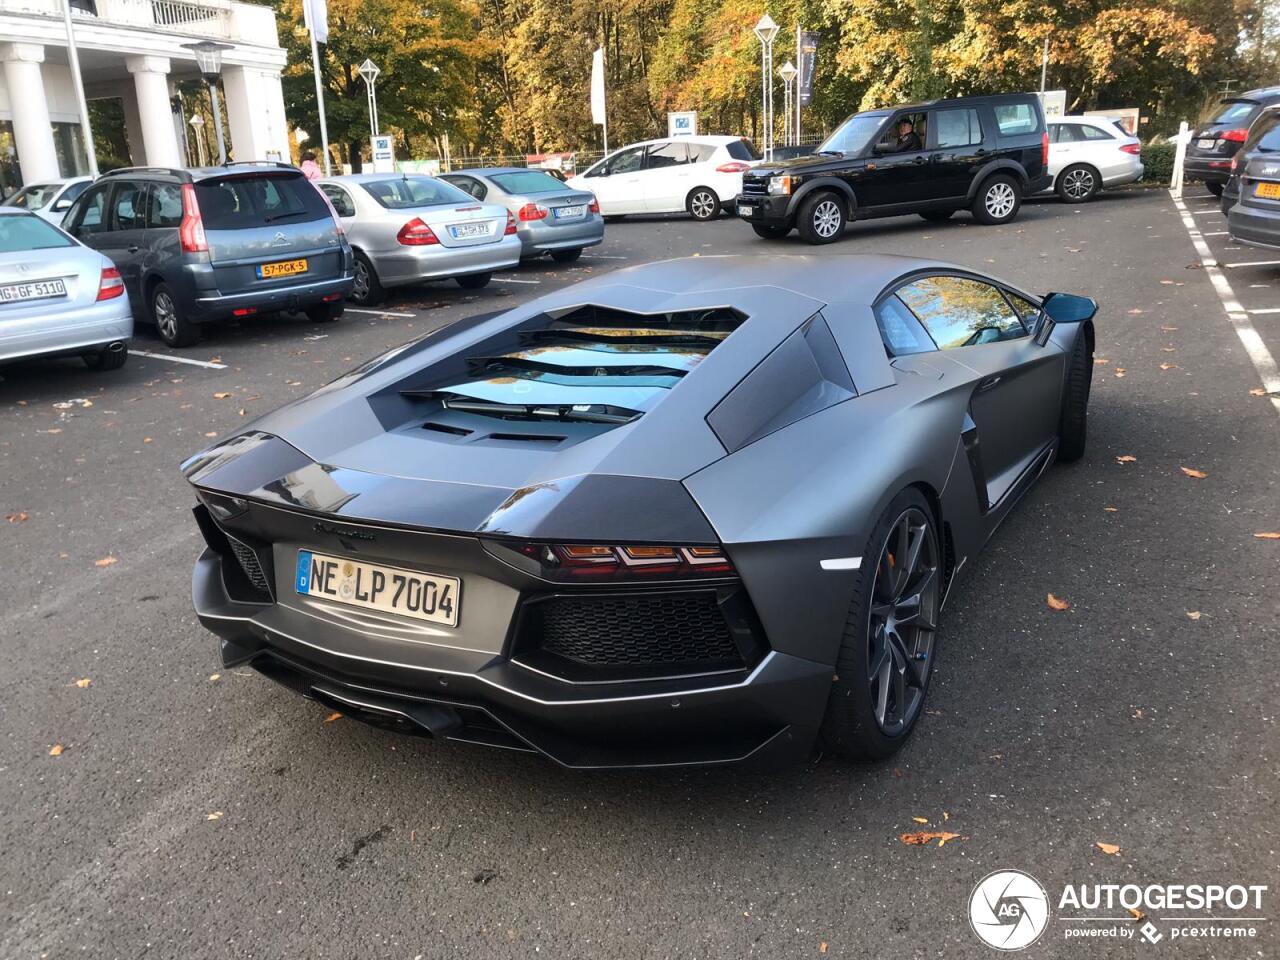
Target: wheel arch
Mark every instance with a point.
(830, 184)
(991, 169)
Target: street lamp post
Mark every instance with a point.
(197, 125)
(789, 100)
(209, 60)
(370, 73)
(765, 30)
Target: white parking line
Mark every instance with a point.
(1216, 233)
(381, 313)
(1252, 263)
(512, 280)
(1212, 212)
(1258, 353)
(165, 356)
(1267, 310)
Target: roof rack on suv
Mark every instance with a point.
(172, 171)
(259, 163)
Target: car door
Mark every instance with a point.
(1064, 141)
(1017, 384)
(896, 177)
(616, 182)
(126, 232)
(665, 180)
(1100, 148)
(87, 218)
(956, 152)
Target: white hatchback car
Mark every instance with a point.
(49, 199)
(1087, 154)
(698, 175)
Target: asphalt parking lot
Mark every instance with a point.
(200, 813)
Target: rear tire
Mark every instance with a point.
(566, 256)
(998, 200)
(767, 232)
(171, 323)
(1074, 423)
(822, 218)
(615, 217)
(702, 203)
(106, 359)
(325, 312)
(937, 216)
(886, 655)
(1078, 183)
(1215, 188)
(367, 289)
(474, 281)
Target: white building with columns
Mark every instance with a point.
(133, 50)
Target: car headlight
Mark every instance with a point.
(780, 186)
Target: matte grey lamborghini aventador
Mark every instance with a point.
(691, 512)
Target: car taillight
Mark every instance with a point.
(1044, 149)
(1134, 149)
(1235, 136)
(594, 206)
(415, 233)
(533, 211)
(733, 166)
(191, 228)
(511, 225)
(110, 285)
(594, 562)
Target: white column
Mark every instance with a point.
(151, 87)
(255, 113)
(32, 131)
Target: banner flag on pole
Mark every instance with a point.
(808, 60)
(315, 14)
(597, 87)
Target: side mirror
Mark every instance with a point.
(881, 148)
(1068, 308)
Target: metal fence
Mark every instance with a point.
(205, 18)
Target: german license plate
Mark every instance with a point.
(744, 211)
(422, 596)
(35, 290)
(1268, 191)
(568, 213)
(469, 231)
(1206, 143)
(282, 268)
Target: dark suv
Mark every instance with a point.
(212, 243)
(980, 153)
(1215, 144)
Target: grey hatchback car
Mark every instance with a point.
(210, 244)
(550, 217)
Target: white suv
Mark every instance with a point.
(1089, 153)
(698, 175)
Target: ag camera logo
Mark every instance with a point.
(1009, 910)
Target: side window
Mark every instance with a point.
(900, 330)
(89, 216)
(703, 152)
(75, 190)
(956, 128)
(1067, 133)
(959, 312)
(128, 207)
(673, 153)
(342, 203)
(1025, 308)
(906, 133)
(1015, 118)
(1094, 133)
(165, 208)
(628, 161)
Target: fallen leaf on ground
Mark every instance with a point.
(1126, 458)
(1138, 915)
(1110, 849)
(1099, 361)
(1056, 603)
(1167, 366)
(1193, 614)
(1135, 311)
(242, 411)
(215, 677)
(216, 815)
(1110, 509)
(1257, 392)
(925, 837)
(19, 517)
(56, 750)
(211, 434)
(1268, 535)
(1168, 329)
(221, 395)
(1120, 371)
(1193, 473)
(919, 819)
(332, 717)
(822, 947)
(83, 683)
(54, 430)
(105, 561)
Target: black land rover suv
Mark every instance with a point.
(981, 153)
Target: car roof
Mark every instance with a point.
(718, 139)
(55, 181)
(490, 171)
(946, 102)
(1262, 93)
(196, 174)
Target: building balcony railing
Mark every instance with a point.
(198, 18)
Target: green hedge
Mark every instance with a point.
(1157, 160)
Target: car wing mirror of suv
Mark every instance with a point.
(1058, 308)
(881, 148)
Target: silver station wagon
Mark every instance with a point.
(407, 229)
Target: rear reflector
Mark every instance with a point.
(415, 233)
(244, 311)
(733, 166)
(331, 298)
(1044, 149)
(595, 205)
(191, 228)
(110, 285)
(1134, 149)
(511, 225)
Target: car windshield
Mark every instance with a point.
(35, 197)
(853, 135)
(401, 193)
(19, 232)
(526, 181)
(236, 202)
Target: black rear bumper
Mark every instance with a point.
(1207, 169)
